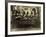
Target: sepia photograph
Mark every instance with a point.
(25, 18)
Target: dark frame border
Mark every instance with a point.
(6, 17)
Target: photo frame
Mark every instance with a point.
(24, 18)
